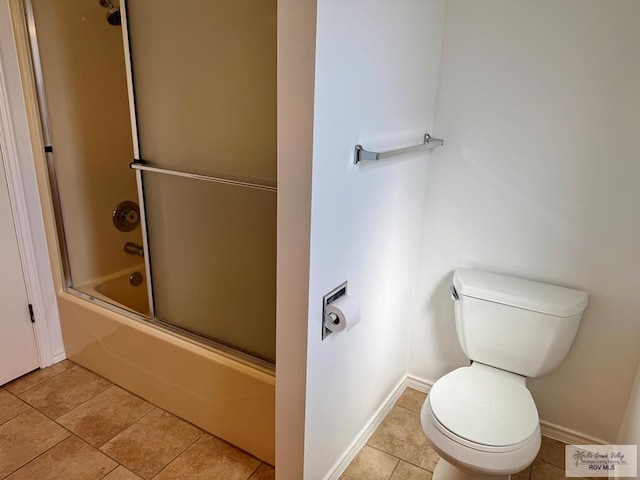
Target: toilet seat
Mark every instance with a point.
(484, 408)
(473, 445)
(484, 460)
(481, 395)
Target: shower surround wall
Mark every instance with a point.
(85, 84)
(539, 106)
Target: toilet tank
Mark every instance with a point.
(517, 325)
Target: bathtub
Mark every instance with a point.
(225, 395)
(118, 289)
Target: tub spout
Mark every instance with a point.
(133, 249)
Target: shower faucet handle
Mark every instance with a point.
(134, 249)
(126, 216)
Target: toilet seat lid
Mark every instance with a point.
(484, 407)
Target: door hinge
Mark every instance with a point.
(33, 318)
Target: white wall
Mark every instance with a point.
(540, 110)
(630, 430)
(376, 74)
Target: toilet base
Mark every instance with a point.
(446, 471)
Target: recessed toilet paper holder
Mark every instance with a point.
(328, 299)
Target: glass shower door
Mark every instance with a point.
(205, 104)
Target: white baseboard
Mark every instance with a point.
(418, 383)
(409, 381)
(568, 436)
(548, 429)
(352, 450)
(59, 356)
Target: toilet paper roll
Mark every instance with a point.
(347, 314)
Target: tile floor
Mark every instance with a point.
(398, 450)
(66, 423)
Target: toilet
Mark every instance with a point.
(481, 419)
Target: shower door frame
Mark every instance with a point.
(138, 166)
(46, 139)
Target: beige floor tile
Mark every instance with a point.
(546, 471)
(71, 459)
(122, 473)
(401, 435)
(65, 391)
(523, 475)
(38, 376)
(412, 399)
(149, 445)
(370, 464)
(552, 451)
(25, 437)
(210, 458)
(10, 406)
(102, 417)
(265, 472)
(406, 471)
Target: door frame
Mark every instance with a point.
(11, 161)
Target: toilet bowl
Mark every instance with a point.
(481, 419)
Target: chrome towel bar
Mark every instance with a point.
(177, 173)
(360, 153)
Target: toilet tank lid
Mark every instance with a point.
(521, 293)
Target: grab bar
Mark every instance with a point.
(360, 153)
(196, 176)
